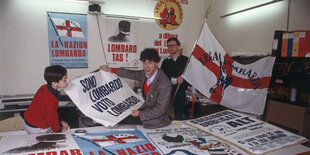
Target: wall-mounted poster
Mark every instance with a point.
(67, 39)
(120, 41)
(172, 16)
(124, 38)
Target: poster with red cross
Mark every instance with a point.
(67, 39)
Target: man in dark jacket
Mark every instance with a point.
(174, 66)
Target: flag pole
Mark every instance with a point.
(182, 74)
(204, 20)
(105, 58)
(55, 29)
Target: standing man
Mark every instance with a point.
(156, 90)
(174, 66)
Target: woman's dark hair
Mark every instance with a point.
(149, 54)
(54, 73)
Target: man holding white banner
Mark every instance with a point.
(156, 90)
(103, 97)
(215, 74)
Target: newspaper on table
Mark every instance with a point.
(116, 142)
(180, 138)
(245, 132)
(104, 97)
(35, 144)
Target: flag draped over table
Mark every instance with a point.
(103, 97)
(215, 74)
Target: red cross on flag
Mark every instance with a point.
(68, 28)
(114, 139)
(215, 74)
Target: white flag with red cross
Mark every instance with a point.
(215, 74)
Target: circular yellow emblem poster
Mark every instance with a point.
(170, 12)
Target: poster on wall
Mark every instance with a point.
(250, 134)
(171, 18)
(60, 143)
(124, 38)
(179, 138)
(120, 42)
(67, 39)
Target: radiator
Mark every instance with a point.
(19, 100)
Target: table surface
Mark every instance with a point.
(295, 149)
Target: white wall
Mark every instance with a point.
(24, 40)
(252, 31)
(24, 49)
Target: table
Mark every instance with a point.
(291, 116)
(289, 150)
(201, 106)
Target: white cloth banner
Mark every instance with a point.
(103, 97)
(250, 134)
(215, 74)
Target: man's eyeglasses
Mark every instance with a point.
(171, 45)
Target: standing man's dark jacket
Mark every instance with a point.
(174, 69)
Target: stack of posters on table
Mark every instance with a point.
(108, 142)
(116, 142)
(225, 132)
(180, 138)
(53, 144)
(250, 134)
